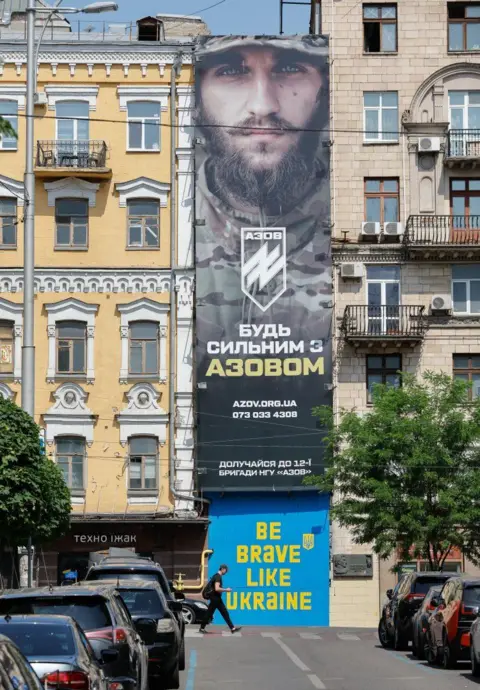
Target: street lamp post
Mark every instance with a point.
(28, 346)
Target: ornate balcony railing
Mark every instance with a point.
(87, 154)
(442, 231)
(463, 143)
(367, 322)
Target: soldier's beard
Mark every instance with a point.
(274, 190)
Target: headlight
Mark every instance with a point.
(201, 605)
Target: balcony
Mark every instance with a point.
(72, 158)
(443, 237)
(364, 324)
(463, 148)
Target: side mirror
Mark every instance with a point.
(389, 593)
(147, 629)
(109, 656)
(175, 606)
(434, 601)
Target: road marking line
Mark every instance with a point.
(309, 636)
(347, 636)
(291, 655)
(229, 634)
(270, 634)
(191, 671)
(317, 683)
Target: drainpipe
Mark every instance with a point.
(176, 67)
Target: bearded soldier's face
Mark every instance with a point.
(259, 99)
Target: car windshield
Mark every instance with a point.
(142, 602)
(471, 595)
(37, 640)
(423, 584)
(90, 613)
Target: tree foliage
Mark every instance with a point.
(406, 475)
(7, 129)
(34, 500)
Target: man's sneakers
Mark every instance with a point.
(236, 629)
(203, 631)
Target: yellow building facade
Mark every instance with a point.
(104, 290)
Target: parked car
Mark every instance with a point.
(475, 647)
(194, 611)
(133, 567)
(158, 628)
(58, 651)
(420, 622)
(395, 626)
(15, 671)
(449, 627)
(102, 615)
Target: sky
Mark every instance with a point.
(228, 17)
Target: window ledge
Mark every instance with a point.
(7, 375)
(2, 150)
(70, 249)
(142, 249)
(381, 54)
(463, 52)
(8, 247)
(78, 493)
(141, 377)
(65, 378)
(381, 143)
(143, 151)
(144, 493)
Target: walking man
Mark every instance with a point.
(213, 591)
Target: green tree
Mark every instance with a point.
(34, 500)
(6, 128)
(406, 475)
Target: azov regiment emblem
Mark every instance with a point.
(264, 265)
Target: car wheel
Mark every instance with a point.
(430, 653)
(414, 647)
(475, 664)
(188, 615)
(399, 642)
(181, 656)
(172, 680)
(420, 654)
(383, 635)
(448, 658)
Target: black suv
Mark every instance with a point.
(104, 618)
(15, 671)
(395, 626)
(136, 568)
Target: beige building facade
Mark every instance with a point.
(405, 119)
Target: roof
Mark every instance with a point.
(122, 584)
(435, 573)
(58, 591)
(126, 564)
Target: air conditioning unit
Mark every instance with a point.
(41, 98)
(441, 303)
(351, 270)
(370, 228)
(429, 145)
(393, 229)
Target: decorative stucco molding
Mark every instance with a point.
(70, 310)
(6, 392)
(13, 312)
(143, 415)
(71, 188)
(14, 93)
(456, 69)
(77, 92)
(12, 189)
(69, 416)
(115, 56)
(143, 310)
(159, 94)
(142, 188)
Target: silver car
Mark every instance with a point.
(58, 652)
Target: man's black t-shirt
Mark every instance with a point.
(216, 578)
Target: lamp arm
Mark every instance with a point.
(40, 38)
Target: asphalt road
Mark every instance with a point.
(305, 659)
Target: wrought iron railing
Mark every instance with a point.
(442, 230)
(463, 143)
(71, 154)
(365, 321)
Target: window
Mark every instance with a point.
(467, 368)
(143, 223)
(143, 347)
(380, 28)
(381, 200)
(143, 126)
(72, 132)
(465, 203)
(6, 347)
(71, 223)
(9, 112)
(463, 26)
(143, 463)
(380, 116)
(8, 222)
(466, 289)
(383, 369)
(71, 339)
(383, 296)
(70, 456)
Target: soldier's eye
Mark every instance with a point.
(289, 68)
(231, 71)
